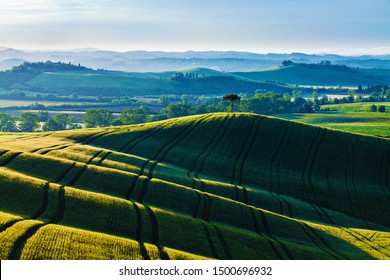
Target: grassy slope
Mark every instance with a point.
(317, 75)
(225, 186)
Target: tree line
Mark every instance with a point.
(269, 103)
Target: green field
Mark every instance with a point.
(354, 117)
(215, 186)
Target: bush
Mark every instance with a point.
(381, 109)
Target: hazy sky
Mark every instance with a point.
(314, 26)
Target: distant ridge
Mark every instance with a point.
(157, 61)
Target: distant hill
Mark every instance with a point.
(60, 78)
(159, 61)
(215, 186)
(320, 74)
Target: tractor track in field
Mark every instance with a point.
(155, 233)
(280, 159)
(126, 148)
(210, 241)
(160, 156)
(250, 141)
(191, 170)
(10, 158)
(385, 170)
(138, 236)
(314, 153)
(207, 152)
(275, 156)
(223, 242)
(320, 244)
(242, 149)
(267, 231)
(306, 165)
(366, 241)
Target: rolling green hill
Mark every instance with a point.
(219, 186)
(321, 75)
(60, 78)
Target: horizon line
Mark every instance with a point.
(94, 49)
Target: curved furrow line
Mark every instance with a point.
(353, 183)
(149, 133)
(385, 170)
(162, 153)
(154, 233)
(277, 155)
(369, 244)
(197, 205)
(323, 246)
(45, 202)
(206, 210)
(144, 189)
(250, 142)
(9, 224)
(217, 131)
(322, 214)
(223, 242)
(211, 147)
(313, 159)
(94, 156)
(10, 158)
(138, 236)
(211, 243)
(248, 137)
(362, 237)
(279, 162)
(60, 147)
(107, 154)
(94, 137)
(305, 166)
(268, 233)
(19, 243)
(86, 138)
(59, 179)
(78, 175)
(347, 176)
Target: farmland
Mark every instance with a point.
(213, 186)
(354, 117)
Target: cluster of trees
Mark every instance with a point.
(377, 94)
(380, 109)
(29, 122)
(39, 67)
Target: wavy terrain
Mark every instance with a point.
(215, 186)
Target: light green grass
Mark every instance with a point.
(350, 120)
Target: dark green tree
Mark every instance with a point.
(232, 98)
(382, 109)
(28, 122)
(98, 118)
(50, 125)
(373, 108)
(134, 115)
(7, 123)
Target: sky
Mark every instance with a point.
(260, 26)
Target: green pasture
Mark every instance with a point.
(214, 186)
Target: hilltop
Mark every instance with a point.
(223, 186)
